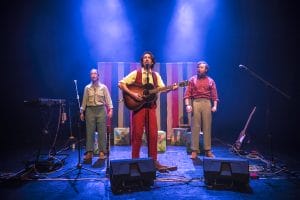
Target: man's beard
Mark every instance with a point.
(201, 75)
(148, 66)
(95, 80)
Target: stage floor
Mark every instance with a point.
(185, 183)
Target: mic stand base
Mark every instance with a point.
(78, 167)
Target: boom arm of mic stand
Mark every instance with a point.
(268, 83)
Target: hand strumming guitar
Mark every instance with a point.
(136, 96)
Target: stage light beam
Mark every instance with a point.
(107, 30)
(187, 30)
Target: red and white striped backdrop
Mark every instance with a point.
(170, 106)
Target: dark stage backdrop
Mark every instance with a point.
(44, 48)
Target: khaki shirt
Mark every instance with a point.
(96, 95)
(130, 78)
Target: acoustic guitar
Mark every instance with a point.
(147, 92)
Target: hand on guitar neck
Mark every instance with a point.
(175, 86)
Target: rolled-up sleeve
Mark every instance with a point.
(108, 101)
(214, 92)
(188, 92)
(160, 82)
(129, 79)
(84, 100)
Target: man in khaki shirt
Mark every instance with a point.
(96, 106)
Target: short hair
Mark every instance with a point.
(152, 58)
(95, 70)
(203, 62)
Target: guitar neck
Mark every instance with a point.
(249, 118)
(160, 89)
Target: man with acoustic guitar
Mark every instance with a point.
(144, 113)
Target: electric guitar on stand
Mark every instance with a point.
(242, 135)
(148, 92)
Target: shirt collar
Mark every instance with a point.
(144, 71)
(98, 84)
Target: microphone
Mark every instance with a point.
(147, 66)
(243, 66)
(75, 81)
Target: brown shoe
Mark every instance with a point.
(209, 154)
(159, 167)
(102, 155)
(88, 157)
(194, 155)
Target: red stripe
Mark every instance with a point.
(175, 97)
(107, 73)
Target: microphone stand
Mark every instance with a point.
(269, 86)
(78, 165)
(108, 132)
(147, 121)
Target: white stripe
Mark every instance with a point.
(100, 71)
(120, 96)
(169, 100)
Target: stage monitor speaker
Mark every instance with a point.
(132, 174)
(226, 172)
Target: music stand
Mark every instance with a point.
(78, 166)
(269, 86)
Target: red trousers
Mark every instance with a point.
(138, 123)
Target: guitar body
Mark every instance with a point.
(239, 141)
(142, 90)
(148, 92)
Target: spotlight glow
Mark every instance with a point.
(185, 38)
(107, 29)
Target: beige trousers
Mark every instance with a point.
(201, 121)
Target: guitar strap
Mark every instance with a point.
(139, 80)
